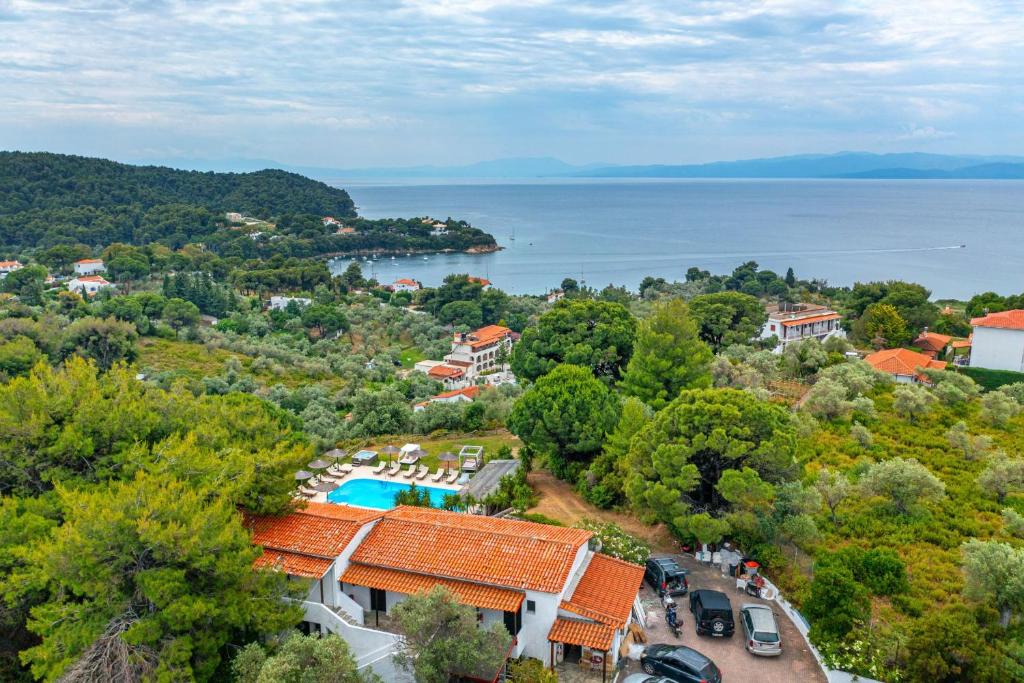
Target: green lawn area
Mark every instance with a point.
(491, 442)
(411, 356)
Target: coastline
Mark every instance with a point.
(476, 250)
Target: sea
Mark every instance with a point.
(956, 237)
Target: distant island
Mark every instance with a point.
(47, 200)
(850, 165)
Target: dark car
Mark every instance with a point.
(680, 664)
(665, 576)
(712, 613)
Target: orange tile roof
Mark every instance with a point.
(479, 280)
(90, 260)
(406, 281)
(932, 341)
(455, 545)
(92, 278)
(468, 392)
(293, 563)
(585, 633)
(486, 335)
(474, 594)
(9, 264)
(445, 371)
(811, 319)
(903, 362)
(964, 343)
(607, 590)
(1006, 320)
(314, 531)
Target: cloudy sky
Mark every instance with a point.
(394, 82)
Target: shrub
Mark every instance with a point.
(837, 603)
(993, 379)
(616, 542)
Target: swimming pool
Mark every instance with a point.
(379, 494)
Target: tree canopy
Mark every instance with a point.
(727, 318)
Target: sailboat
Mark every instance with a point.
(512, 237)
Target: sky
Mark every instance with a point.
(349, 83)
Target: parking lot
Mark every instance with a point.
(796, 664)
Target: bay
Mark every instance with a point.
(617, 232)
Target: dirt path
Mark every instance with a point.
(559, 501)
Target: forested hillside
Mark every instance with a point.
(54, 199)
(48, 199)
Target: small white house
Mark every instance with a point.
(405, 285)
(998, 341)
(278, 303)
(90, 284)
(89, 266)
(796, 322)
(7, 267)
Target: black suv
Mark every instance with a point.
(665, 576)
(712, 613)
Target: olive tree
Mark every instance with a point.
(906, 483)
(994, 574)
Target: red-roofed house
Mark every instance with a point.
(543, 583)
(482, 349)
(405, 285)
(904, 365)
(463, 395)
(9, 267)
(90, 284)
(933, 344)
(482, 281)
(795, 322)
(89, 266)
(998, 341)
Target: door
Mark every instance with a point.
(378, 600)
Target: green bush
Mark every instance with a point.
(992, 379)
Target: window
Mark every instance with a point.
(531, 606)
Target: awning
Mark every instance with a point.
(585, 633)
(467, 593)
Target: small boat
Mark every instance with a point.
(425, 258)
(392, 258)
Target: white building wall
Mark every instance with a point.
(89, 268)
(998, 349)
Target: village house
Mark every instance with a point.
(331, 220)
(933, 344)
(997, 342)
(558, 599)
(482, 281)
(795, 322)
(485, 349)
(89, 266)
(439, 230)
(345, 230)
(405, 285)
(450, 375)
(7, 267)
(555, 295)
(464, 395)
(233, 216)
(279, 303)
(90, 284)
(904, 365)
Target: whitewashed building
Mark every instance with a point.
(998, 341)
(90, 284)
(278, 303)
(7, 267)
(795, 322)
(557, 598)
(482, 350)
(89, 266)
(405, 285)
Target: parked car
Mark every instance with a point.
(665, 576)
(712, 613)
(762, 630)
(644, 678)
(679, 664)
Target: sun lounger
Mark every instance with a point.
(422, 472)
(409, 472)
(307, 493)
(438, 475)
(452, 478)
(347, 468)
(394, 470)
(470, 465)
(379, 468)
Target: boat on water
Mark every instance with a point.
(425, 258)
(392, 258)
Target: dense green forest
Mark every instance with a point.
(53, 199)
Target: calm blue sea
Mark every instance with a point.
(620, 231)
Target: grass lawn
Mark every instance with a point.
(433, 446)
(411, 356)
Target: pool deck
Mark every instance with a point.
(366, 472)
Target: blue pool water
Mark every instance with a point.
(373, 493)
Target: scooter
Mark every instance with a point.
(670, 617)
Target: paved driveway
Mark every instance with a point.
(795, 665)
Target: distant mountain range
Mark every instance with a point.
(854, 165)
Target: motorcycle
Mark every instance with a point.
(671, 618)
